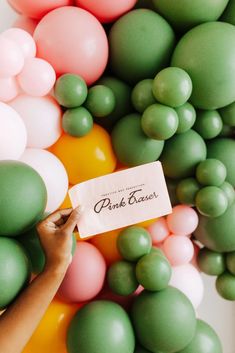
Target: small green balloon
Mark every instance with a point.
(121, 278)
(225, 285)
(157, 251)
(153, 272)
(229, 192)
(133, 243)
(172, 86)
(208, 124)
(187, 117)
(182, 153)
(187, 190)
(101, 327)
(100, 101)
(142, 95)
(211, 172)
(70, 90)
(77, 122)
(205, 340)
(171, 187)
(211, 262)
(131, 145)
(211, 201)
(230, 262)
(228, 114)
(159, 122)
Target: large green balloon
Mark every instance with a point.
(182, 153)
(131, 145)
(218, 233)
(207, 53)
(23, 197)
(101, 327)
(185, 14)
(228, 114)
(164, 321)
(14, 270)
(141, 43)
(224, 150)
(205, 340)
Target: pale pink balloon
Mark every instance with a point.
(26, 23)
(178, 249)
(8, 89)
(11, 58)
(23, 39)
(52, 172)
(188, 280)
(37, 77)
(72, 40)
(85, 276)
(159, 231)
(106, 10)
(13, 134)
(42, 118)
(183, 220)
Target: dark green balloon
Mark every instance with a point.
(142, 95)
(208, 124)
(228, 113)
(131, 145)
(225, 285)
(182, 153)
(142, 350)
(14, 270)
(187, 190)
(229, 13)
(230, 262)
(77, 122)
(211, 262)
(100, 101)
(121, 278)
(227, 131)
(141, 43)
(163, 321)
(224, 150)
(23, 197)
(229, 192)
(171, 187)
(211, 201)
(187, 116)
(211, 172)
(101, 327)
(218, 233)
(205, 340)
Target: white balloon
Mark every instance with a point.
(52, 172)
(42, 118)
(189, 281)
(8, 89)
(13, 135)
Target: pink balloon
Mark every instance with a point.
(85, 276)
(183, 220)
(11, 58)
(72, 40)
(178, 249)
(25, 23)
(159, 231)
(106, 10)
(8, 89)
(23, 39)
(37, 77)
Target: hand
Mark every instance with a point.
(55, 234)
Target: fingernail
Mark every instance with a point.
(80, 209)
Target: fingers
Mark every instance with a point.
(58, 215)
(71, 223)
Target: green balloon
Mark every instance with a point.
(142, 350)
(182, 153)
(153, 272)
(187, 190)
(218, 233)
(70, 90)
(141, 43)
(101, 327)
(209, 66)
(133, 243)
(205, 340)
(171, 187)
(131, 145)
(172, 86)
(230, 262)
(184, 14)
(157, 251)
(77, 122)
(211, 201)
(14, 270)
(164, 321)
(211, 172)
(121, 278)
(225, 285)
(159, 122)
(142, 95)
(227, 131)
(224, 150)
(211, 262)
(100, 101)
(23, 197)
(208, 124)
(229, 13)
(228, 114)
(187, 117)
(229, 192)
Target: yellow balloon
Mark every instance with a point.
(145, 224)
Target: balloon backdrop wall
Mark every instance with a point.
(88, 88)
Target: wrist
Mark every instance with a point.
(57, 269)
